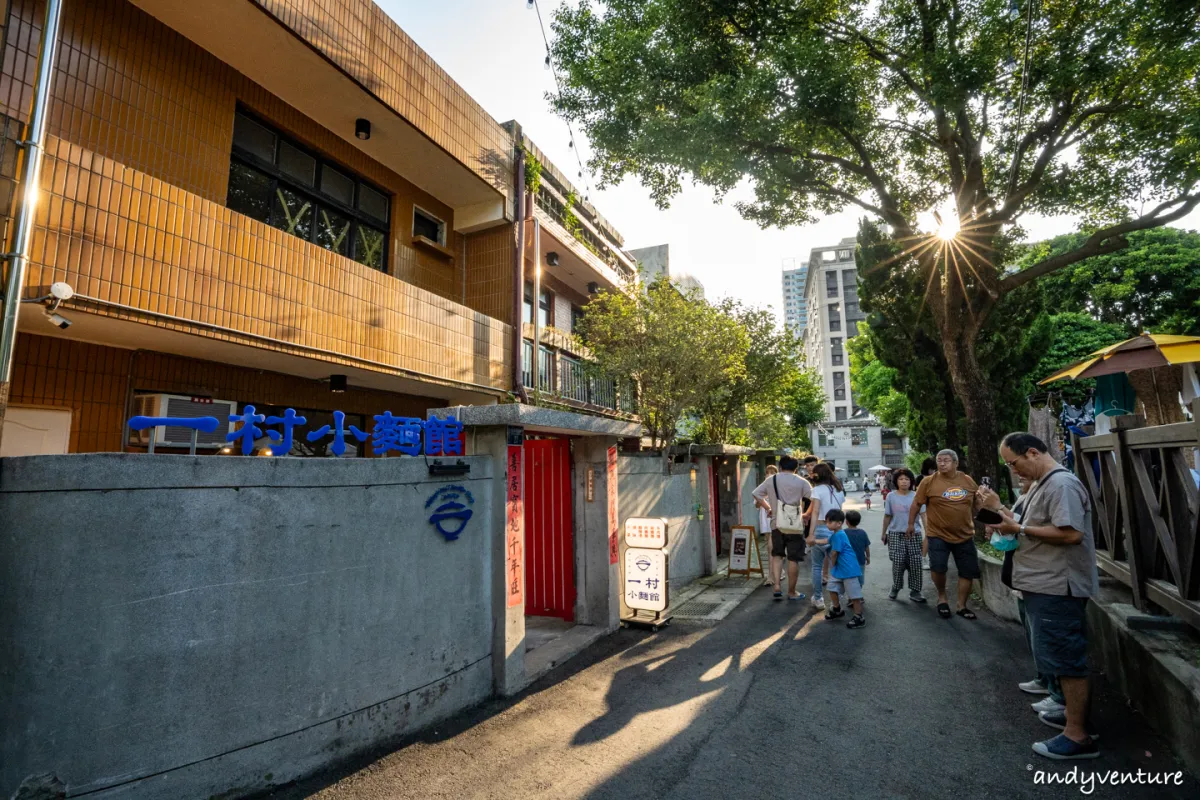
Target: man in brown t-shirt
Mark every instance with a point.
(949, 499)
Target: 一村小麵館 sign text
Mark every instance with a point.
(390, 434)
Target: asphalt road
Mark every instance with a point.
(774, 702)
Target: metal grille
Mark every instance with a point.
(186, 409)
(696, 608)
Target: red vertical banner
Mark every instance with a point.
(514, 506)
(614, 545)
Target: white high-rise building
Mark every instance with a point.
(795, 307)
(850, 438)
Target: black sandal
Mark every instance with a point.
(966, 613)
(943, 610)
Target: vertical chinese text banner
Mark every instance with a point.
(614, 546)
(515, 508)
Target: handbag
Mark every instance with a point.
(791, 517)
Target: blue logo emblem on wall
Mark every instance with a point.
(451, 511)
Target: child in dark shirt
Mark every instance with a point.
(859, 541)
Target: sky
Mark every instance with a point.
(494, 50)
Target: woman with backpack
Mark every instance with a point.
(827, 494)
(783, 496)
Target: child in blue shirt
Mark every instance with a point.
(860, 541)
(845, 573)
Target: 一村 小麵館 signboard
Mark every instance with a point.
(645, 579)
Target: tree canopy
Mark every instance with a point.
(678, 350)
(1153, 285)
(1089, 107)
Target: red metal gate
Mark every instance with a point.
(549, 543)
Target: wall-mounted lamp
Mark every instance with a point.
(593, 288)
(552, 258)
(337, 383)
(362, 128)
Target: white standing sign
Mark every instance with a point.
(646, 532)
(645, 579)
(739, 549)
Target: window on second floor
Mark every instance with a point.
(429, 226)
(576, 316)
(831, 284)
(281, 183)
(545, 306)
(835, 318)
(839, 413)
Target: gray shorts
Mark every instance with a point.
(850, 587)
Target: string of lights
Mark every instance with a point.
(584, 174)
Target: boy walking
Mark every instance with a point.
(845, 573)
(860, 541)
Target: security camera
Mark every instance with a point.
(59, 321)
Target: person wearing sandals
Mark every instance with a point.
(764, 529)
(1054, 568)
(949, 499)
(904, 550)
(782, 496)
(827, 495)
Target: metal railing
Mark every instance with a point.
(549, 201)
(568, 379)
(1146, 509)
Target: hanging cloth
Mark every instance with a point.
(1043, 423)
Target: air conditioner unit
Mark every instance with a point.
(182, 406)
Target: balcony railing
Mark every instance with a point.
(565, 378)
(554, 205)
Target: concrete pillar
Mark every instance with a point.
(596, 579)
(508, 631)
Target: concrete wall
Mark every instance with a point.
(181, 627)
(644, 491)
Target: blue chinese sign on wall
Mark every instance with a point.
(407, 435)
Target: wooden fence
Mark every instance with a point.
(1147, 510)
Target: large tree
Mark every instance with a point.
(1089, 107)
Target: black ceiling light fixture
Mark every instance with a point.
(593, 288)
(362, 128)
(337, 383)
(552, 258)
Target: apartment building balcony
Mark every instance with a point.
(339, 61)
(563, 375)
(158, 268)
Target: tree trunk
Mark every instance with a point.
(976, 397)
(951, 410)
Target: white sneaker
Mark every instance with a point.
(1048, 704)
(819, 603)
(925, 563)
(1033, 687)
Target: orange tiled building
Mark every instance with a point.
(283, 203)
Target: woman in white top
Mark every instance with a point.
(827, 495)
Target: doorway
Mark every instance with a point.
(549, 523)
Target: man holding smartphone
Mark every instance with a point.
(1055, 570)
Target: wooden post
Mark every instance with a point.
(1136, 528)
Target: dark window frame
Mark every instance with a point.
(313, 193)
